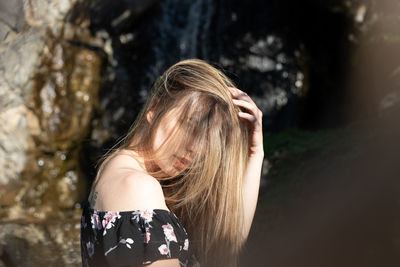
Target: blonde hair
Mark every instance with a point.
(207, 195)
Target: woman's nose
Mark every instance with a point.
(189, 151)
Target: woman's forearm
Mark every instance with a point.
(251, 185)
(251, 180)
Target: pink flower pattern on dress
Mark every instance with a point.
(109, 220)
(144, 221)
(186, 244)
(147, 237)
(163, 249)
(147, 215)
(169, 232)
(96, 223)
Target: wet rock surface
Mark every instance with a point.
(48, 93)
(12, 18)
(49, 85)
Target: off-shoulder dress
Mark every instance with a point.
(133, 238)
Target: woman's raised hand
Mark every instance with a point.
(254, 117)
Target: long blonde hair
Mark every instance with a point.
(206, 196)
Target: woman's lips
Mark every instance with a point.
(182, 161)
(180, 164)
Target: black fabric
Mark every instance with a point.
(133, 238)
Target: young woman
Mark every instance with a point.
(181, 188)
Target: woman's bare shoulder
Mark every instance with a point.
(139, 190)
(134, 191)
(125, 189)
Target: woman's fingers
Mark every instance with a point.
(254, 114)
(245, 101)
(247, 105)
(236, 93)
(252, 119)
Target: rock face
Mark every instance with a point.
(49, 81)
(49, 88)
(12, 18)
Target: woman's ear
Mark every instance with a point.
(150, 113)
(149, 116)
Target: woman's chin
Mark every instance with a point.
(170, 171)
(172, 167)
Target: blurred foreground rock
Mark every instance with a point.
(52, 243)
(333, 203)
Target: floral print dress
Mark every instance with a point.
(133, 238)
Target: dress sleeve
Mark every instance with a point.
(141, 237)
